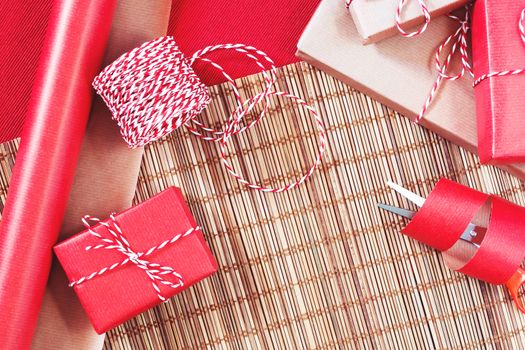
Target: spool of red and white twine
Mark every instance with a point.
(153, 90)
(458, 43)
(399, 14)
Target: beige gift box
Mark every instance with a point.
(376, 19)
(398, 72)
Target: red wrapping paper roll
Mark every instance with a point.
(56, 118)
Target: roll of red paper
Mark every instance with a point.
(55, 123)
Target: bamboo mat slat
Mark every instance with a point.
(317, 267)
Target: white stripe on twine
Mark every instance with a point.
(155, 272)
(457, 42)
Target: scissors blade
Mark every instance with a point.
(470, 234)
(409, 214)
(411, 196)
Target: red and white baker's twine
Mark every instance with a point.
(157, 273)
(153, 90)
(399, 11)
(458, 40)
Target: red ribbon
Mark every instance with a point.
(448, 210)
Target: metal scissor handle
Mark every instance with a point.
(514, 285)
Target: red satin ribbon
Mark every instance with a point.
(448, 210)
(503, 246)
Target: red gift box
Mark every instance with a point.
(500, 106)
(136, 259)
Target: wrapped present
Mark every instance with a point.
(379, 19)
(498, 53)
(394, 73)
(131, 262)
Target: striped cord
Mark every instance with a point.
(152, 90)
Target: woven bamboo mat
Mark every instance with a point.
(318, 266)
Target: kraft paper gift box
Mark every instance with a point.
(376, 19)
(113, 288)
(398, 72)
(500, 106)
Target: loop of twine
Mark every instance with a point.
(153, 90)
(459, 40)
(399, 13)
(157, 273)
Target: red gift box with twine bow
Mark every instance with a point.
(135, 260)
(498, 54)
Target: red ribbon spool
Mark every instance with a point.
(448, 210)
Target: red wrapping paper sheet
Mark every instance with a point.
(116, 296)
(22, 29)
(500, 106)
(448, 210)
(39, 188)
(271, 26)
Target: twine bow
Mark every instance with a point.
(458, 40)
(458, 44)
(399, 11)
(158, 274)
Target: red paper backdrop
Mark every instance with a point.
(22, 29)
(272, 26)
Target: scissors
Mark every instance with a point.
(473, 234)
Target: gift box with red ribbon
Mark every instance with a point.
(498, 54)
(132, 261)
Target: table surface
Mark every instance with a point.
(319, 266)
